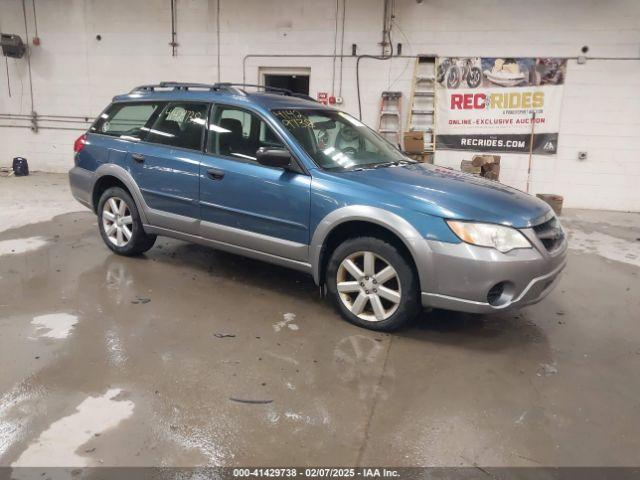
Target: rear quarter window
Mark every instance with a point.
(125, 120)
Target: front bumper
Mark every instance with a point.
(462, 275)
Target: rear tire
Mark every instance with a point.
(120, 225)
(372, 284)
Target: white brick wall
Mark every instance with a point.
(74, 74)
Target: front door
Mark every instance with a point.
(245, 203)
(166, 165)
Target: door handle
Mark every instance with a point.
(215, 174)
(138, 157)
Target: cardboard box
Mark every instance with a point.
(555, 201)
(480, 160)
(491, 170)
(487, 166)
(467, 166)
(421, 157)
(414, 142)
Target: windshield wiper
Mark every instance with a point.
(371, 166)
(386, 164)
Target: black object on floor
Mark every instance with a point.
(20, 167)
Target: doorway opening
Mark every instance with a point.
(296, 80)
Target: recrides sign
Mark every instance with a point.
(488, 104)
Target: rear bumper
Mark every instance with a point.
(81, 182)
(464, 274)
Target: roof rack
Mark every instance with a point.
(266, 88)
(220, 86)
(173, 86)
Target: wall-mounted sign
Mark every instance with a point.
(323, 97)
(492, 104)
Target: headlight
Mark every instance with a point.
(499, 237)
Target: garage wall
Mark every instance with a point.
(75, 74)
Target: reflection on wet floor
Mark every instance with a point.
(58, 445)
(21, 245)
(54, 325)
(188, 356)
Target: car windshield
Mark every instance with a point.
(337, 141)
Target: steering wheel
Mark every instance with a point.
(348, 134)
(350, 151)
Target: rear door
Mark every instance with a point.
(111, 136)
(243, 202)
(166, 165)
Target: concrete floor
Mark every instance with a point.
(117, 361)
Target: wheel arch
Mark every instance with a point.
(111, 175)
(356, 220)
(103, 184)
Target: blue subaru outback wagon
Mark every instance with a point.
(281, 178)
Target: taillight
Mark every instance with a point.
(80, 142)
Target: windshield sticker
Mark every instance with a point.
(293, 119)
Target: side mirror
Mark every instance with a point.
(274, 157)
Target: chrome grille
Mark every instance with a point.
(550, 234)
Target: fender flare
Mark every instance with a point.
(113, 170)
(416, 244)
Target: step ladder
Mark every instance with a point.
(389, 118)
(422, 114)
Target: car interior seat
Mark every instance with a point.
(167, 133)
(233, 140)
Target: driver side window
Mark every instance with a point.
(238, 133)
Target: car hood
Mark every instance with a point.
(451, 194)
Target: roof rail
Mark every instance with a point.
(266, 88)
(174, 86)
(185, 86)
(142, 88)
(254, 85)
(220, 86)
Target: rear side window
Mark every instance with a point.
(179, 125)
(125, 120)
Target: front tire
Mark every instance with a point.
(120, 225)
(373, 284)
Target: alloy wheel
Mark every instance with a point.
(368, 286)
(117, 221)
